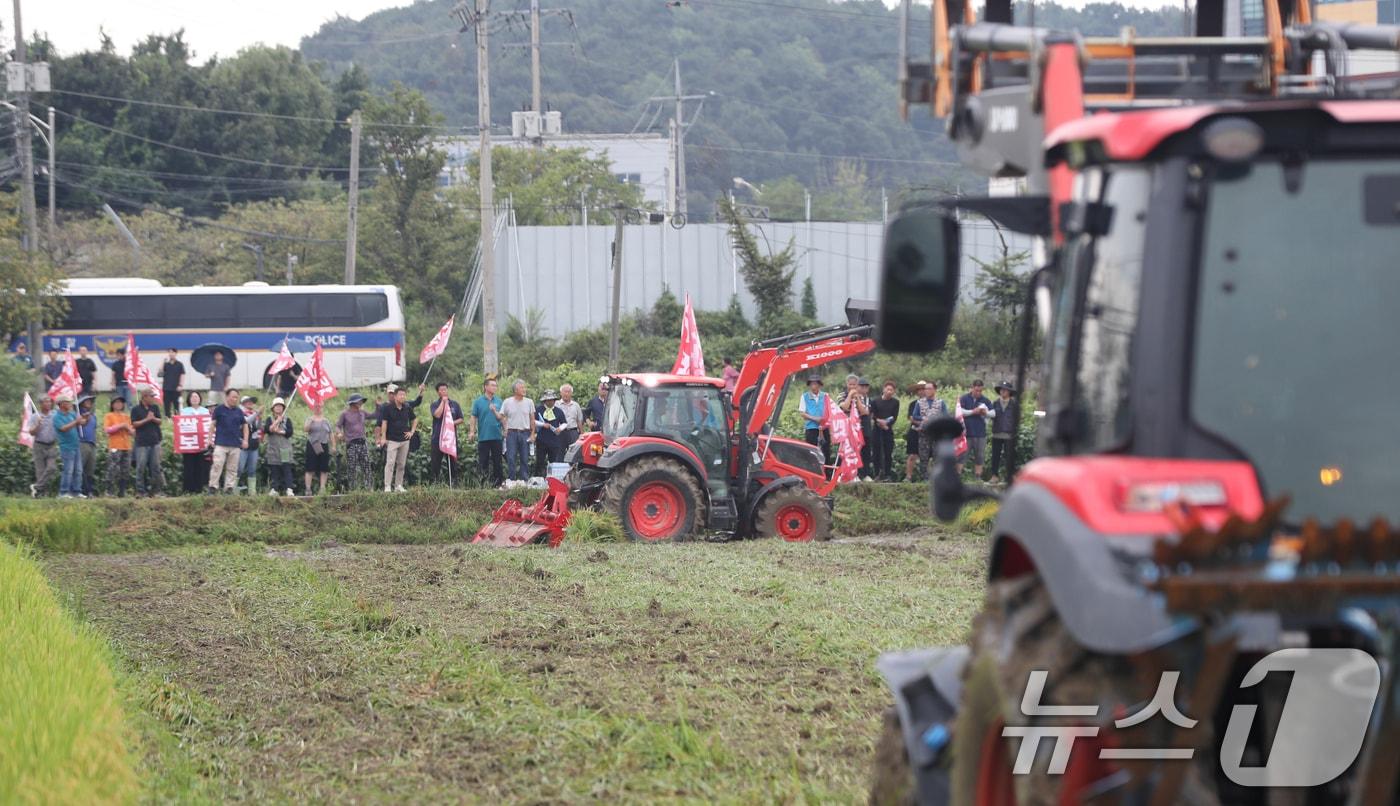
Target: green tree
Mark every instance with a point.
(809, 299)
(767, 274)
(414, 238)
(545, 185)
(30, 286)
(1002, 284)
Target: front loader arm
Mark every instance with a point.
(784, 362)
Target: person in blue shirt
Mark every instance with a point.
(66, 422)
(230, 438)
(87, 442)
(812, 406)
(486, 428)
(975, 408)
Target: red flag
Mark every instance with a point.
(447, 432)
(315, 383)
(284, 360)
(138, 376)
(960, 444)
(25, 438)
(848, 439)
(68, 381)
(438, 345)
(690, 358)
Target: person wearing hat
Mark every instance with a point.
(87, 442)
(812, 405)
(1003, 414)
(857, 398)
(550, 423)
(65, 423)
(145, 418)
(278, 428)
(351, 428)
(973, 408)
(926, 410)
(230, 438)
(248, 457)
(44, 451)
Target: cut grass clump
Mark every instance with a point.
(867, 509)
(62, 735)
(590, 526)
(61, 527)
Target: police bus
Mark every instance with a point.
(359, 327)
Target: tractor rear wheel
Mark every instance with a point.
(657, 500)
(796, 514)
(1018, 631)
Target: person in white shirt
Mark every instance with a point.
(519, 412)
(573, 417)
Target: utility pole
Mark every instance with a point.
(613, 346)
(479, 19)
(291, 267)
(537, 102)
(679, 174)
(353, 224)
(25, 143)
(53, 218)
(256, 249)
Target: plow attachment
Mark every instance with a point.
(514, 525)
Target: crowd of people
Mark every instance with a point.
(516, 437)
(983, 420)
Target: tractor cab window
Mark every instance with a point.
(1097, 305)
(621, 412)
(693, 415)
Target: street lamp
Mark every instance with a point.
(741, 182)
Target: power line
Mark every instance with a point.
(203, 177)
(811, 155)
(192, 220)
(197, 152)
(241, 112)
(846, 13)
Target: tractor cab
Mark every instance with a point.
(688, 411)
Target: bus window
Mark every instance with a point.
(373, 308)
(334, 309)
(276, 310)
(200, 310)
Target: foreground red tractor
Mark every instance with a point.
(1193, 596)
(677, 456)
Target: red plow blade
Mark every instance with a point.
(515, 525)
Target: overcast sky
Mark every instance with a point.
(211, 26)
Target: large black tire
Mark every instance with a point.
(657, 500)
(892, 782)
(796, 514)
(1017, 632)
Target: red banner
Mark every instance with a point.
(25, 438)
(137, 375)
(194, 433)
(315, 382)
(68, 381)
(438, 345)
(690, 357)
(285, 360)
(447, 432)
(848, 439)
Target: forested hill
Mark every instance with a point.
(798, 85)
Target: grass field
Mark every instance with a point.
(62, 734)
(355, 649)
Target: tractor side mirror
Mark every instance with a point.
(947, 492)
(919, 280)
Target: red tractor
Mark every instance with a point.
(1193, 595)
(677, 456)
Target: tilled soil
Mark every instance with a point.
(739, 672)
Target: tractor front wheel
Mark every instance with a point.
(657, 500)
(796, 514)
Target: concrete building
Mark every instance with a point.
(636, 159)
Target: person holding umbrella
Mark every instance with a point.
(217, 373)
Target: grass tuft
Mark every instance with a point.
(62, 734)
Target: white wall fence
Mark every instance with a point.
(566, 271)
